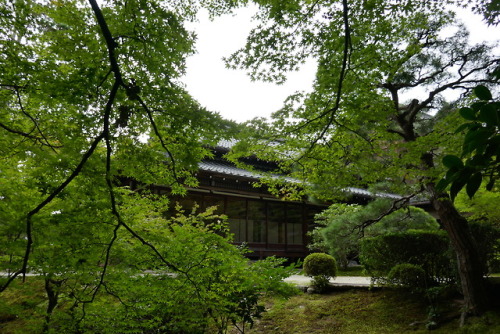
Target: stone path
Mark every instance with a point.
(346, 281)
(354, 281)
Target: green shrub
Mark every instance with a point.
(428, 249)
(408, 275)
(336, 230)
(320, 264)
(487, 237)
(321, 267)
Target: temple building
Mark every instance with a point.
(266, 224)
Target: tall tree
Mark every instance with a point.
(89, 96)
(376, 112)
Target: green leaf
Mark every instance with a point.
(463, 127)
(442, 184)
(476, 106)
(451, 161)
(452, 173)
(483, 93)
(456, 186)
(473, 184)
(492, 148)
(488, 114)
(478, 160)
(460, 181)
(468, 113)
(478, 137)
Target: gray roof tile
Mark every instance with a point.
(229, 169)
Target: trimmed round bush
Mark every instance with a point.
(408, 275)
(320, 264)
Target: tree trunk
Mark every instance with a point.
(53, 297)
(468, 260)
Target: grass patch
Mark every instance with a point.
(23, 306)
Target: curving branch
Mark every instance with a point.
(396, 205)
(159, 136)
(132, 93)
(331, 112)
(132, 90)
(57, 191)
(23, 110)
(343, 72)
(104, 135)
(40, 140)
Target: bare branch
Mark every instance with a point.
(159, 136)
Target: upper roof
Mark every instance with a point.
(226, 168)
(226, 144)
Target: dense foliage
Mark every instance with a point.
(408, 275)
(341, 227)
(209, 286)
(316, 264)
(481, 147)
(426, 249)
(487, 237)
(90, 100)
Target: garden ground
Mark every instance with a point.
(342, 310)
(359, 311)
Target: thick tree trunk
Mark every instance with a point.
(469, 265)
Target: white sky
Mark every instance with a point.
(230, 92)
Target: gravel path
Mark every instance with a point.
(354, 281)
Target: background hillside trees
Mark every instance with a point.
(376, 112)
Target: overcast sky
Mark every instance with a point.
(231, 92)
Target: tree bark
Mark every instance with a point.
(470, 268)
(468, 260)
(52, 288)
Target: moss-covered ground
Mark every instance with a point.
(362, 311)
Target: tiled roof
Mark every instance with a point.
(226, 144)
(367, 193)
(228, 169)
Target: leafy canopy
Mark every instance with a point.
(90, 98)
(480, 150)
